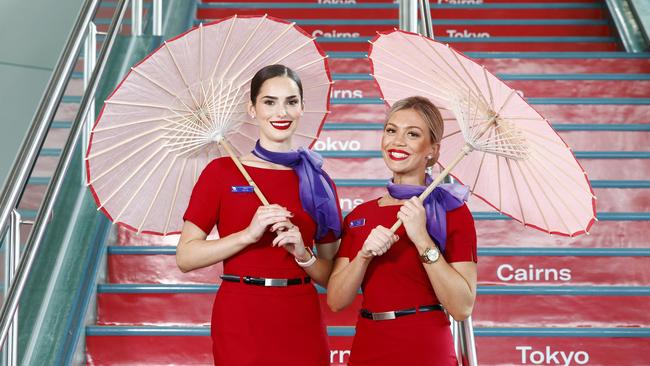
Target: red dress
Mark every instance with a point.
(397, 280)
(256, 325)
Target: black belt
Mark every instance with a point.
(388, 315)
(267, 282)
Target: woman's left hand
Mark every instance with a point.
(289, 237)
(414, 218)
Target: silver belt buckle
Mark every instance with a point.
(386, 315)
(275, 282)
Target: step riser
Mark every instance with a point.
(609, 199)
(351, 140)
(56, 138)
(363, 168)
(67, 112)
(464, 30)
(524, 66)
(32, 197)
(563, 270)
(523, 310)
(573, 113)
(599, 351)
(508, 350)
(492, 270)
(473, 2)
(167, 350)
(492, 46)
(159, 268)
(142, 309)
(603, 234)
(529, 88)
(392, 13)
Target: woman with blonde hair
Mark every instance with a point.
(410, 279)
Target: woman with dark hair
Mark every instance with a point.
(428, 266)
(266, 311)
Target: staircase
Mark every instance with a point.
(542, 299)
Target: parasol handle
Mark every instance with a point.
(243, 171)
(466, 150)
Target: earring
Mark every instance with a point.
(252, 116)
(429, 157)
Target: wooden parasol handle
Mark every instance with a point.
(466, 150)
(243, 171)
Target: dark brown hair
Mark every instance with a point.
(269, 72)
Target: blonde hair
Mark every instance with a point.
(429, 113)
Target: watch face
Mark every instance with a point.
(432, 254)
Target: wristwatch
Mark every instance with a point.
(310, 261)
(430, 255)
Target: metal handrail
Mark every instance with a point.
(24, 163)
(34, 140)
(425, 17)
(627, 26)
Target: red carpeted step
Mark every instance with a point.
(128, 237)
(562, 270)
(495, 347)
(583, 88)
(470, 30)
(609, 199)
(333, 2)
(505, 11)
(607, 140)
(527, 306)
(595, 113)
(157, 268)
(530, 88)
(576, 113)
(192, 346)
(32, 197)
(461, 28)
(601, 169)
(353, 140)
(561, 350)
(536, 86)
(603, 234)
(513, 63)
(148, 350)
(510, 44)
(469, 2)
(540, 269)
(579, 65)
(286, 12)
(154, 308)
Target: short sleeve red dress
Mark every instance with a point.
(256, 325)
(397, 280)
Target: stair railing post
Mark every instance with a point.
(90, 59)
(12, 259)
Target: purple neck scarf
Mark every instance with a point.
(445, 197)
(316, 191)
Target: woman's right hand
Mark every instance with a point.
(378, 242)
(265, 216)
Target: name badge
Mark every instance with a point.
(242, 189)
(357, 223)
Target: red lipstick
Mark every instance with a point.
(281, 125)
(397, 155)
